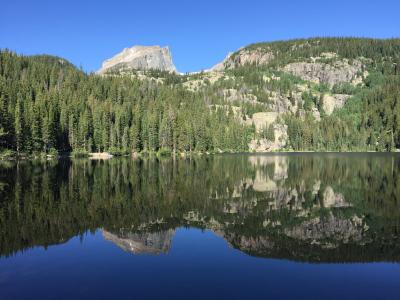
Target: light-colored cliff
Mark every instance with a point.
(140, 58)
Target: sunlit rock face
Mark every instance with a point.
(332, 102)
(140, 58)
(258, 56)
(338, 72)
(154, 243)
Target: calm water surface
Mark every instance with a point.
(298, 226)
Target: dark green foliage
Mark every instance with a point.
(268, 133)
(46, 103)
(345, 88)
(369, 121)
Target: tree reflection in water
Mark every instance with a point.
(307, 207)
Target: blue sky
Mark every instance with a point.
(199, 33)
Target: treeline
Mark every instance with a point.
(383, 53)
(48, 105)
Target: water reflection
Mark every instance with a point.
(143, 242)
(307, 207)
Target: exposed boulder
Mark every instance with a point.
(331, 102)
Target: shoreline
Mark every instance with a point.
(141, 155)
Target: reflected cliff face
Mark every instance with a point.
(308, 207)
(143, 242)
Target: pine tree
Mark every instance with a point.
(97, 131)
(153, 133)
(4, 123)
(72, 133)
(19, 125)
(106, 124)
(125, 140)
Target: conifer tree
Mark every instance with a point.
(19, 125)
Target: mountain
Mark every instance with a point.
(275, 85)
(140, 58)
(320, 94)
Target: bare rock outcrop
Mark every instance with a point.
(140, 58)
(232, 95)
(258, 56)
(331, 102)
(265, 145)
(338, 72)
(262, 119)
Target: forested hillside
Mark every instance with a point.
(49, 105)
(337, 94)
(323, 94)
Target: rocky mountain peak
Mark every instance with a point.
(140, 58)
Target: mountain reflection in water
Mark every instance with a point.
(306, 207)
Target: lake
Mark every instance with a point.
(277, 226)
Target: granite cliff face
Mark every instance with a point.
(338, 72)
(140, 58)
(313, 69)
(244, 57)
